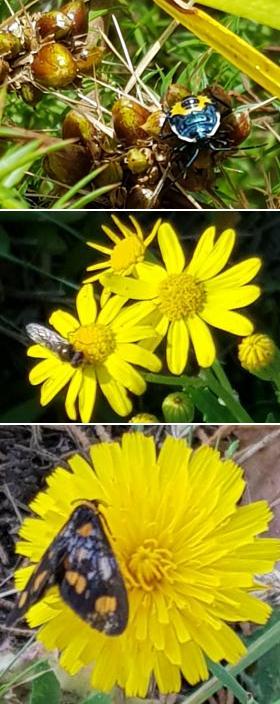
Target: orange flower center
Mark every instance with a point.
(95, 341)
(181, 296)
(149, 565)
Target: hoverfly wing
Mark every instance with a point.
(44, 336)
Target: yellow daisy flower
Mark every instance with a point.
(108, 346)
(182, 301)
(187, 553)
(127, 251)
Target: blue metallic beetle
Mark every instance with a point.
(195, 120)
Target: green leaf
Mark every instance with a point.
(98, 698)
(45, 689)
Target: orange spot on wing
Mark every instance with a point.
(85, 530)
(38, 580)
(71, 577)
(22, 599)
(80, 584)
(105, 604)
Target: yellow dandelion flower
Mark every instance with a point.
(182, 301)
(187, 553)
(109, 349)
(256, 352)
(127, 251)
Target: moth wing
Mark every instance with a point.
(41, 579)
(92, 584)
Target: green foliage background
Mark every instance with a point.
(250, 179)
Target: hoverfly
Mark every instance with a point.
(54, 342)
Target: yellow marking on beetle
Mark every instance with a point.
(22, 599)
(38, 580)
(71, 577)
(85, 530)
(80, 584)
(179, 109)
(105, 604)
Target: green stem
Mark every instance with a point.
(222, 377)
(233, 405)
(230, 683)
(206, 379)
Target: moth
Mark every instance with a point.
(81, 562)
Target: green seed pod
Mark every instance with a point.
(68, 165)
(112, 174)
(178, 408)
(77, 13)
(55, 23)
(138, 160)
(237, 126)
(128, 118)
(54, 66)
(10, 45)
(4, 70)
(30, 94)
(79, 127)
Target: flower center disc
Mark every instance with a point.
(149, 565)
(181, 296)
(126, 253)
(96, 342)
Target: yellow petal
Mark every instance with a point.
(202, 341)
(111, 309)
(44, 370)
(63, 322)
(208, 266)
(124, 373)
(236, 50)
(233, 298)
(237, 275)
(263, 11)
(130, 288)
(86, 305)
(114, 392)
(228, 320)
(52, 387)
(171, 250)
(177, 346)
(72, 393)
(87, 394)
(138, 355)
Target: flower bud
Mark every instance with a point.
(54, 66)
(178, 408)
(143, 418)
(259, 355)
